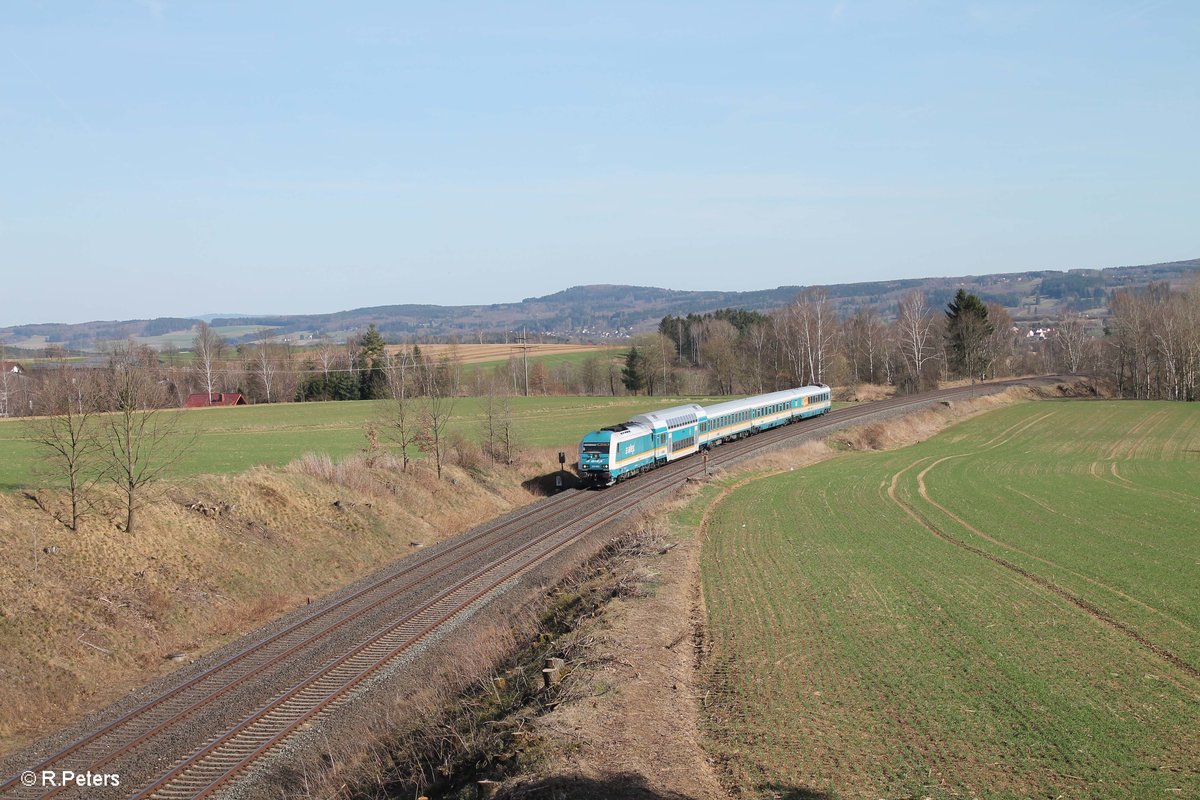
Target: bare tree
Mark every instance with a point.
(264, 368)
(436, 409)
(207, 346)
(327, 356)
(790, 351)
(141, 441)
(3, 382)
(401, 420)
(67, 433)
(1130, 332)
(757, 338)
(490, 424)
(589, 376)
(1069, 339)
(1000, 348)
(719, 353)
(806, 330)
(505, 435)
(914, 329)
(864, 335)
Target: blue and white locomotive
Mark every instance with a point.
(650, 440)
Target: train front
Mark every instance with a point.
(596, 458)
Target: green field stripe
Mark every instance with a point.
(893, 663)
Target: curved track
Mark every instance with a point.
(193, 738)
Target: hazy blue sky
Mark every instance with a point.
(168, 158)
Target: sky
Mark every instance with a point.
(163, 158)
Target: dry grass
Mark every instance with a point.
(863, 393)
(87, 616)
(912, 428)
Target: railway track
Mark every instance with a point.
(312, 665)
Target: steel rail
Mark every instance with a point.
(494, 536)
(227, 765)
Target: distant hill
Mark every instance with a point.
(605, 312)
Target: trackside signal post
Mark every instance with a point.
(562, 470)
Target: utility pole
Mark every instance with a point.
(524, 340)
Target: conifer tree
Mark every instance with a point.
(967, 331)
(372, 358)
(632, 375)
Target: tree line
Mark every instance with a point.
(748, 352)
(1153, 342)
(1149, 347)
(1146, 349)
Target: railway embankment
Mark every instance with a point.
(87, 616)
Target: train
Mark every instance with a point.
(650, 440)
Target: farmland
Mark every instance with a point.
(495, 353)
(1010, 609)
(235, 439)
(477, 360)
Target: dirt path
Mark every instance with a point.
(635, 732)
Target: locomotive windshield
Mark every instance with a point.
(595, 447)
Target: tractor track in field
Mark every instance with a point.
(193, 733)
(1086, 606)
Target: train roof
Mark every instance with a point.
(673, 417)
(785, 396)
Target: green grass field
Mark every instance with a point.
(236, 439)
(970, 616)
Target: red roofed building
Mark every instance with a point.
(202, 400)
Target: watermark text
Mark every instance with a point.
(66, 777)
